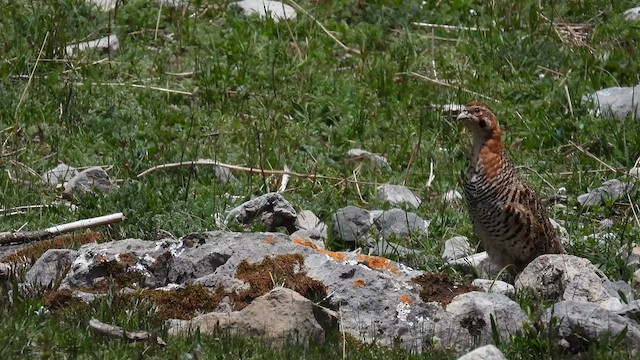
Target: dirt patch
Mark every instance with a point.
(32, 252)
(441, 288)
(183, 303)
(282, 270)
(62, 301)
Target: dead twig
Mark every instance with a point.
(448, 27)
(441, 83)
(586, 152)
(138, 86)
(206, 162)
(33, 71)
(116, 332)
(342, 45)
(27, 236)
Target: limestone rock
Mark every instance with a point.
(568, 277)
(59, 174)
(582, 323)
(487, 352)
(455, 248)
(398, 194)
(265, 8)
(494, 286)
(51, 266)
(88, 180)
(475, 310)
(616, 102)
(278, 316)
(632, 14)
(307, 220)
(271, 210)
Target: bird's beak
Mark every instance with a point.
(463, 115)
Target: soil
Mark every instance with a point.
(441, 288)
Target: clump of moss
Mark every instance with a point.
(286, 270)
(60, 301)
(34, 251)
(441, 288)
(183, 303)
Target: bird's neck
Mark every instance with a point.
(488, 157)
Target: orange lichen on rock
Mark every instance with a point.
(359, 283)
(128, 259)
(406, 299)
(268, 240)
(336, 255)
(378, 263)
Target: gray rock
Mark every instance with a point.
(619, 289)
(455, 248)
(452, 196)
(562, 233)
(635, 171)
(104, 5)
(632, 14)
(398, 194)
(312, 235)
(87, 296)
(307, 220)
(494, 286)
(631, 311)
(475, 311)
(270, 210)
(487, 352)
(50, 268)
(265, 8)
(59, 174)
(616, 102)
(378, 300)
(280, 315)
(225, 176)
(108, 44)
(581, 323)
(351, 225)
(411, 257)
(375, 159)
(568, 277)
(89, 179)
(479, 264)
(397, 223)
(605, 224)
(5, 270)
(611, 190)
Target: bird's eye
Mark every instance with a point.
(477, 110)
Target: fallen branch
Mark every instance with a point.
(441, 83)
(27, 236)
(116, 332)
(342, 45)
(586, 152)
(448, 27)
(206, 162)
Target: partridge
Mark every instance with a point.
(507, 216)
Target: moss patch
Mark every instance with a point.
(286, 270)
(32, 252)
(441, 288)
(183, 303)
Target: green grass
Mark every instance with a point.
(268, 94)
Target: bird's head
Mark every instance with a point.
(480, 120)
